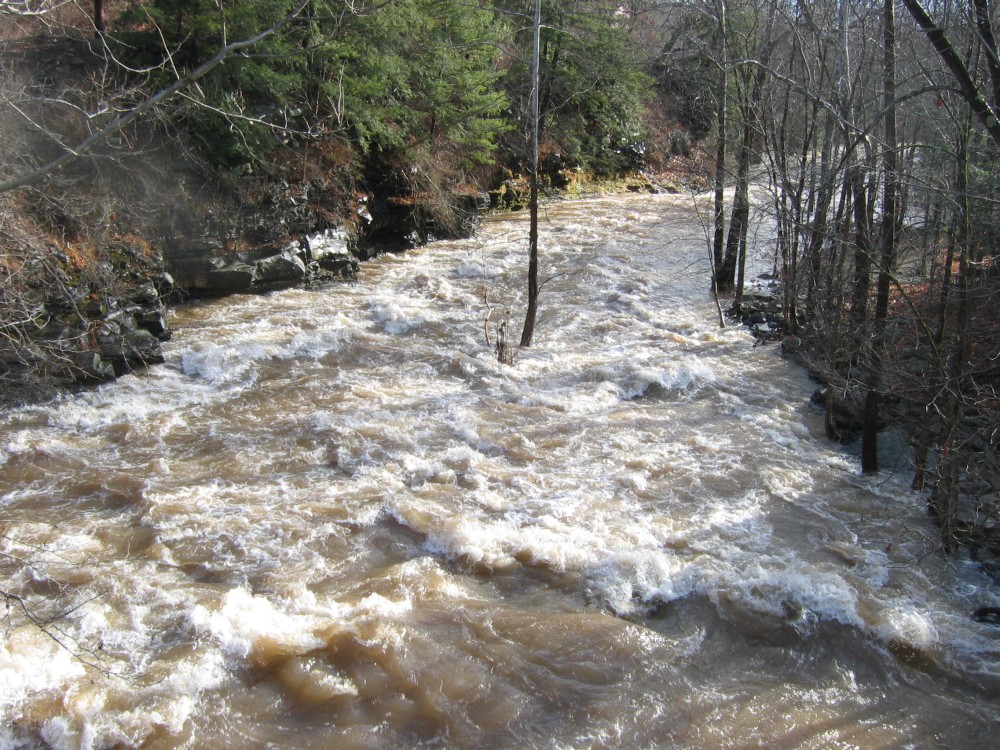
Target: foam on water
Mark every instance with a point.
(343, 499)
(247, 626)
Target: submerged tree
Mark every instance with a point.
(528, 330)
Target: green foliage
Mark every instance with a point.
(593, 87)
(392, 78)
(244, 102)
(421, 73)
(430, 85)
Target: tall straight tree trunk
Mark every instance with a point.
(720, 150)
(887, 256)
(791, 281)
(528, 330)
(740, 215)
(943, 503)
(862, 250)
(821, 196)
(732, 273)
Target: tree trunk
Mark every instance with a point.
(862, 250)
(985, 27)
(873, 399)
(985, 111)
(740, 215)
(719, 218)
(528, 330)
(732, 273)
(943, 503)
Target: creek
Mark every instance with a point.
(333, 520)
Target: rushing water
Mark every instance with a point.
(333, 520)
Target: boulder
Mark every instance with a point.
(791, 345)
(280, 269)
(342, 265)
(145, 294)
(163, 282)
(238, 277)
(90, 367)
(131, 350)
(155, 322)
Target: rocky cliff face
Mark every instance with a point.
(67, 324)
(205, 271)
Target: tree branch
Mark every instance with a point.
(970, 91)
(28, 9)
(150, 102)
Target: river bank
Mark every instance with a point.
(88, 314)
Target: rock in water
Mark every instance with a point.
(235, 278)
(279, 270)
(989, 615)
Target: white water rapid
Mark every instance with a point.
(333, 520)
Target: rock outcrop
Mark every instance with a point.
(92, 339)
(202, 269)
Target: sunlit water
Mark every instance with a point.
(333, 520)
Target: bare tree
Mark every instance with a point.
(984, 110)
(890, 195)
(528, 330)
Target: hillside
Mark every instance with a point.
(409, 140)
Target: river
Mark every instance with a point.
(333, 520)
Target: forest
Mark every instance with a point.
(866, 132)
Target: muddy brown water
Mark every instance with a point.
(332, 520)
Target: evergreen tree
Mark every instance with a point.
(593, 87)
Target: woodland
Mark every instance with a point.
(866, 130)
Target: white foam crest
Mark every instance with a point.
(222, 362)
(474, 268)
(425, 578)
(440, 289)
(236, 360)
(315, 344)
(466, 428)
(420, 471)
(740, 519)
(252, 627)
(32, 664)
(770, 588)
(910, 626)
(14, 738)
(625, 562)
(631, 579)
(86, 723)
(155, 399)
(635, 379)
(35, 441)
(244, 621)
(396, 317)
(578, 399)
(504, 544)
(787, 482)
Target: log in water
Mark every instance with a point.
(332, 519)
